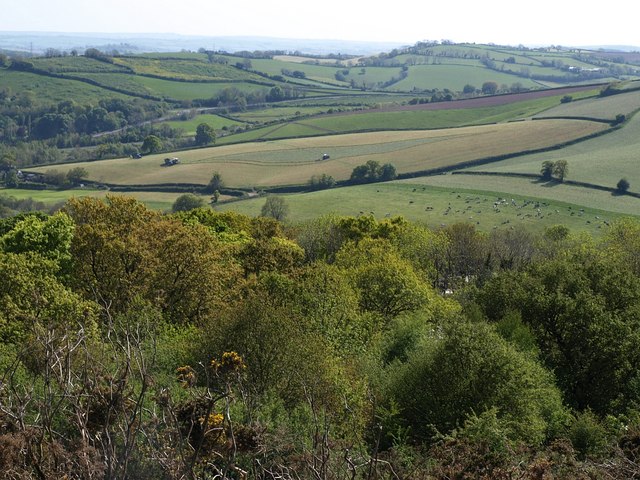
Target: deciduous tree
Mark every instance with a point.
(623, 185)
(188, 201)
(489, 88)
(151, 144)
(547, 169)
(216, 183)
(275, 207)
(77, 174)
(205, 134)
(560, 169)
(463, 368)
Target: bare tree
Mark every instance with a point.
(275, 207)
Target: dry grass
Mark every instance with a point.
(294, 161)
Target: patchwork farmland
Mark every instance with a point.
(294, 161)
(426, 109)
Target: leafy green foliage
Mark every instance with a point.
(581, 308)
(464, 368)
(186, 202)
(388, 285)
(151, 144)
(32, 297)
(49, 237)
(205, 134)
(251, 344)
(126, 251)
(77, 174)
(588, 436)
(215, 184)
(623, 185)
(372, 171)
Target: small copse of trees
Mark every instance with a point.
(321, 182)
(558, 170)
(372, 171)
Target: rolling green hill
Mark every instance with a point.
(601, 161)
(281, 113)
(294, 161)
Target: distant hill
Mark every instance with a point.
(613, 48)
(38, 42)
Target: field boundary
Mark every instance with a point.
(95, 83)
(535, 176)
(573, 117)
(505, 156)
(182, 187)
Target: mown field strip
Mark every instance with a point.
(294, 161)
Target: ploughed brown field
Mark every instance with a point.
(489, 101)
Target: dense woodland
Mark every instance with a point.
(136, 344)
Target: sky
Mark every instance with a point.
(540, 22)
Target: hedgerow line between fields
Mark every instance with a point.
(402, 176)
(535, 176)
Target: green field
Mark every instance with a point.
(599, 107)
(164, 88)
(156, 200)
(455, 77)
(120, 81)
(400, 120)
(75, 64)
(44, 90)
(282, 143)
(181, 55)
(318, 61)
(215, 121)
(353, 98)
(603, 160)
(411, 59)
(437, 206)
(372, 76)
(532, 188)
(313, 72)
(191, 91)
(277, 113)
(187, 69)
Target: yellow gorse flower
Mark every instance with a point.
(214, 420)
(186, 376)
(229, 362)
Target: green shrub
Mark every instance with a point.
(588, 436)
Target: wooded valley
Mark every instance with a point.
(199, 344)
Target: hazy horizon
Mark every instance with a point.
(405, 22)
